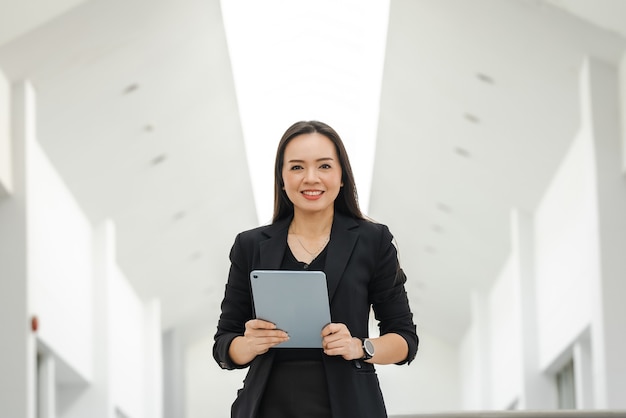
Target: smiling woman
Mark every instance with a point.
(317, 225)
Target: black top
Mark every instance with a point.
(291, 263)
(297, 385)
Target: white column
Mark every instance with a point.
(96, 400)
(583, 372)
(538, 391)
(622, 108)
(17, 344)
(174, 375)
(6, 181)
(600, 112)
(153, 393)
(46, 385)
(481, 338)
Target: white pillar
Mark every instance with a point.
(153, 393)
(583, 372)
(600, 113)
(538, 390)
(173, 375)
(17, 344)
(6, 182)
(622, 109)
(481, 338)
(96, 399)
(46, 385)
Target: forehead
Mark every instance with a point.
(313, 145)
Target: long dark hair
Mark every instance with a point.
(347, 201)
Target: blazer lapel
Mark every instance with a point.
(344, 236)
(273, 249)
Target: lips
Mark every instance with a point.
(312, 194)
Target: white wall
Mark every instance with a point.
(622, 107)
(566, 256)
(60, 266)
(5, 139)
(135, 356)
(428, 384)
(48, 269)
(17, 345)
(210, 390)
(504, 337)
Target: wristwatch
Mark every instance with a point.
(368, 349)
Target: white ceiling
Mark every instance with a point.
(137, 109)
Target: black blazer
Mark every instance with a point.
(362, 271)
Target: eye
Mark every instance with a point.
(295, 167)
(325, 166)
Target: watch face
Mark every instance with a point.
(368, 347)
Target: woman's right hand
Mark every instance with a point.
(257, 339)
(262, 335)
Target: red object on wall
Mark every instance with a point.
(34, 323)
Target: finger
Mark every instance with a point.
(261, 334)
(260, 324)
(338, 344)
(333, 328)
(262, 345)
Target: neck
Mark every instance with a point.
(316, 224)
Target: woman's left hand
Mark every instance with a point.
(337, 341)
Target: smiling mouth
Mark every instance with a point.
(312, 192)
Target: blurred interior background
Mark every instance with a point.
(137, 139)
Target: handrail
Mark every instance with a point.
(521, 414)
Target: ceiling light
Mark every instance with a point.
(148, 128)
(179, 215)
(484, 78)
(131, 88)
(472, 118)
(443, 207)
(195, 256)
(437, 228)
(158, 160)
(462, 152)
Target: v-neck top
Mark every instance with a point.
(291, 263)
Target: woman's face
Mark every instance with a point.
(311, 173)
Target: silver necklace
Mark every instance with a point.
(315, 253)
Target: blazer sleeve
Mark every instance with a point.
(389, 298)
(236, 307)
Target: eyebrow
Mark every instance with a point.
(318, 160)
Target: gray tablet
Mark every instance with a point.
(296, 301)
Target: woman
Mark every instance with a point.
(317, 225)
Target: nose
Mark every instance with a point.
(310, 176)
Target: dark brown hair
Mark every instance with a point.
(347, 201)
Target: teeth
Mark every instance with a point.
(312, 193)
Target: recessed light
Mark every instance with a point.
(179, 215)
(462, 152)
(443, 207)
(195, 256)
(148, 128)
(430, 249)
(472, 118)
(130, 88)
(485, 78)
(158, 159)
